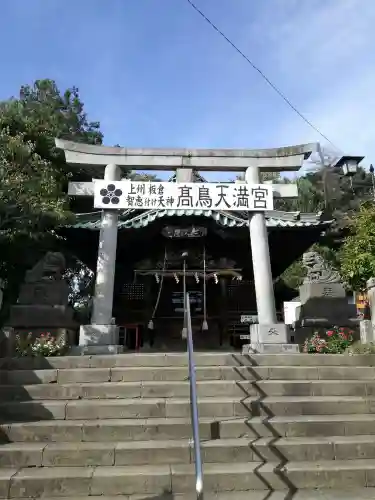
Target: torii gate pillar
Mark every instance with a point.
(268, 335)
(102, 335)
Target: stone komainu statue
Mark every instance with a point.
(50, 268)
(318, 271)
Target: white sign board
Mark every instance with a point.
(179, 195)
(291, 312)
(252, 319)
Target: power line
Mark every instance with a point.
(272, 85)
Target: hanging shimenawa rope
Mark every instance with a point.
(204, 324)
(151, 322)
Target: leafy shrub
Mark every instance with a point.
(44, 345)
(334, 341)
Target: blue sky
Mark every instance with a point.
(155, 74)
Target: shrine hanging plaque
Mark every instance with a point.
(184, 232)
(185, 196)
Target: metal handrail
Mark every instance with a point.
(193, 394)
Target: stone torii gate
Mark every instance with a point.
(101, 336)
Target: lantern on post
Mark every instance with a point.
(349, 164)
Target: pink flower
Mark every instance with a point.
(330, 333)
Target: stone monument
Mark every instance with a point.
(323, 298)
(42, 304)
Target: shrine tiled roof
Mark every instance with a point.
(134, 219)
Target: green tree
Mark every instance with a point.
(294, 274)
(339, 198)
(329, 190)
(264, 177)
(33, 172)
(31, 192)
(310, 198)
(357, 255)
(143, 177)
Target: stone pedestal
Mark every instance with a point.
(366, 331)
(42, 305)
(45, 293)
(309, 291)
(270, 349)
(98, 339)
(41, 316)
(325, 300)
(325, 304)
(272, 338)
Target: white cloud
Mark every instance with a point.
(347, 118)
(324, 51)
(318, 52)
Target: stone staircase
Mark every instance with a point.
(273, 427)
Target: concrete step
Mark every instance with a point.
(123, 430)
(313, 426)
(323, 372)
(125, 480)
(309, 405)
(313, 449)
(362, 494)
(79, 454)
(129, 374)
(180, 373)
(337, 474)
(306, 373)
(170, 389)
(301, 359)
(297, 426)
(118, 390)
(124, 408)
(127, 360)
(180, 407)
(326, 494)
(126, 453)
(315, 387)
(110, 430)
(180, 359)
(158, 479)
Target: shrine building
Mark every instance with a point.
(233, 257)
